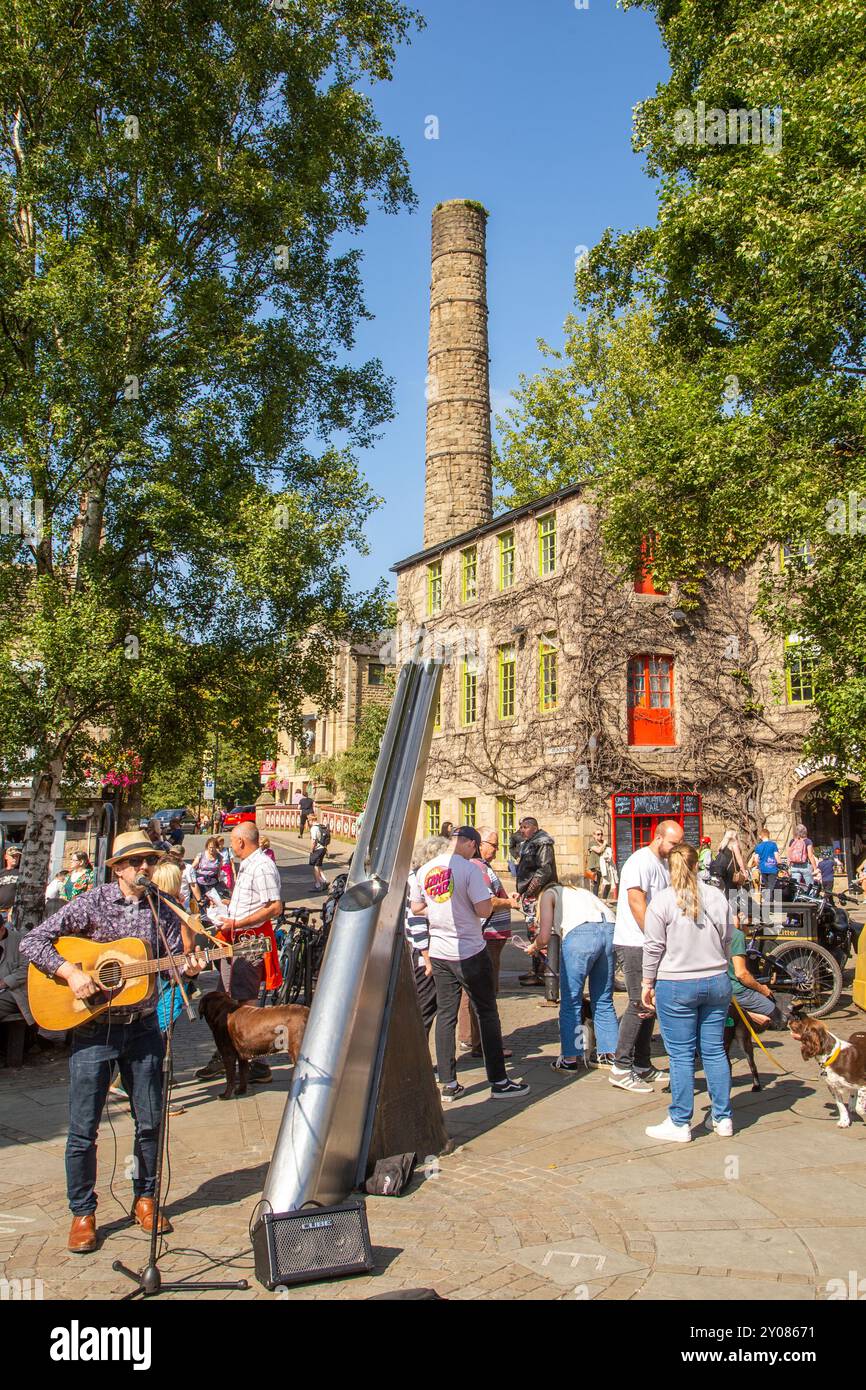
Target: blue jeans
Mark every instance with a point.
(138, 1050)
(692, 1013)
(768, 883)
(802, 873)
(587, 951)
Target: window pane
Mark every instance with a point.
(376, 673)
(548, 674)
(507, 682)
(468, 810)
(434, 587)
(547, 544)
(506, 560)
(469, 701)
(433, 817)
(505, 806)
(469, 574)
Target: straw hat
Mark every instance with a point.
(130, 843)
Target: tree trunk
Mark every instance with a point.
(36, 850)
(130, 810)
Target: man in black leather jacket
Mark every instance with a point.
(536, 868)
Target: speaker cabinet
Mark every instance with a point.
(299, 1247)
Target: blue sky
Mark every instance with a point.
(534, 101)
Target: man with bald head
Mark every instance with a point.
(643, 874)
(256, 900)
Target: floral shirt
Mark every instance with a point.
(103, 914)
(79, 881)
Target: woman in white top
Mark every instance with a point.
(585, 925)
(609, 875)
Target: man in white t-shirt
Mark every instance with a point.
(643, 874)
(457, 900)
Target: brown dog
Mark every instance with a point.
(844, 1063)
(738, 1030)
(243, 1031)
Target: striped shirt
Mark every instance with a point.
(417, 927)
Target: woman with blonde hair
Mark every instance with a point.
(729, 867)
(687, 938)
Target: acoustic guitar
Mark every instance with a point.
(124, 970)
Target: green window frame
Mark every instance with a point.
(437, 717)
(469, 574)
(506, 560)
(432, 817)
(507, 682)
(547, 544)
(434, 588)
(798, 551)
(799, 671)
(506, 815)
(468, 695)
(548, 673)
(468, 810)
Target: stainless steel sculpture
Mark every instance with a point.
(323, 1128)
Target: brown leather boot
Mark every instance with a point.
(143, 1213)
(82, 1234)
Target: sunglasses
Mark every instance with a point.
(137, 860)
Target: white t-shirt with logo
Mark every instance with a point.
(645, 870)
(449, 886)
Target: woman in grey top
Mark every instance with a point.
(687, 936)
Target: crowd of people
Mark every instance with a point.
(667, 919)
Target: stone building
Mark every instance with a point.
(360, 678)
(584, 698)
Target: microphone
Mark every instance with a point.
(142, 881)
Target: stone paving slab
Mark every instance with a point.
(568, 1170)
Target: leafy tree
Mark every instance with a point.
(175, 333)
(711, 390)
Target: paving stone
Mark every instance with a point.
(692, 1288)
(570, 1169)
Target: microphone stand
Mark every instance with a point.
(149, 1281)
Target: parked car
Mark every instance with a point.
(185, 815)
(238, 814)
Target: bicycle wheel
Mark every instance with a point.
(815, 971)
(288, 958)
(295, 987)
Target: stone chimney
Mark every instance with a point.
(458, 493)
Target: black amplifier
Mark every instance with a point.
(299, 1247)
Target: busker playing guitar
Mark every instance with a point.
(128, 1036)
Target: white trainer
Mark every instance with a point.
(676, 1134)
(724, 1128)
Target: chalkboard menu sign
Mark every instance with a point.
(691, 805)
(656, 805)
(624, 839)
(692, 830)
(622, 805)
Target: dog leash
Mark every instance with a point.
(756, 1039)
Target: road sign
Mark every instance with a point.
(209, 789)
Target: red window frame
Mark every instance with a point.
(643, 581)
(650, 701)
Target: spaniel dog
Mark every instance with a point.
(844, 1063)
(244, 1031)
